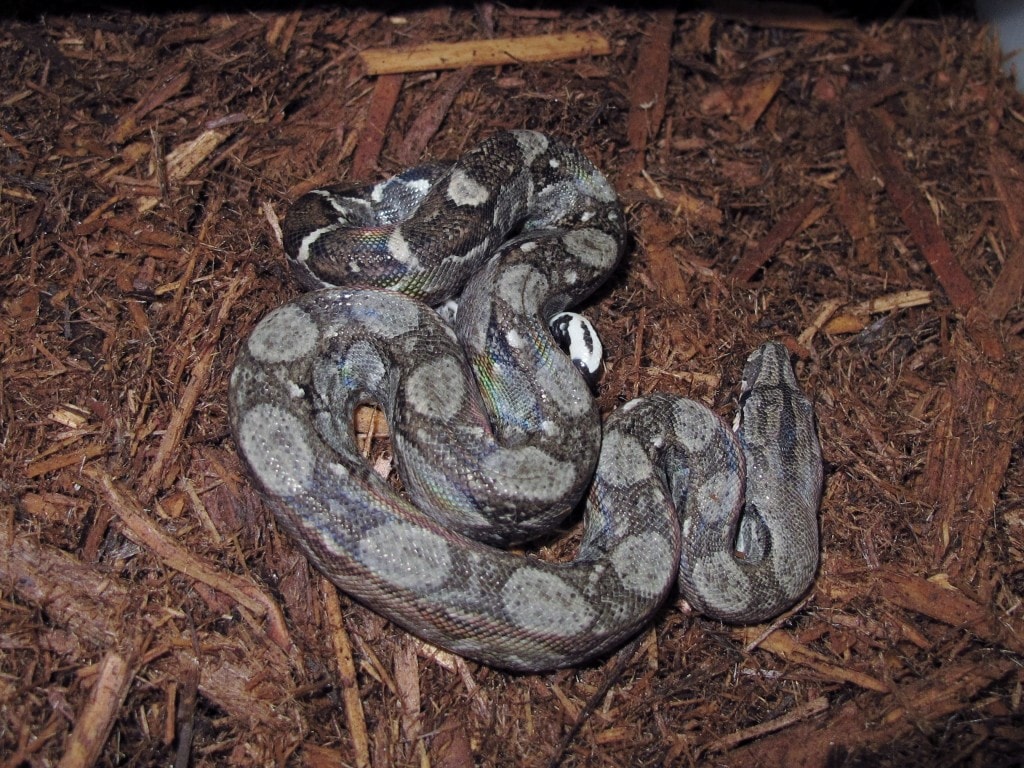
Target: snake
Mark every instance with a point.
(497, 436)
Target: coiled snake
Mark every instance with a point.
(497, 434)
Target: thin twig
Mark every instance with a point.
(622, 660)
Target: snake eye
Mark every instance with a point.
(579, 340)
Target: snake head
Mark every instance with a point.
(579, 340)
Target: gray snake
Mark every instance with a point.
(497, 434)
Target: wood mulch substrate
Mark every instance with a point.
(855, 189)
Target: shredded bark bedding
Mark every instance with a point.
(852, 187)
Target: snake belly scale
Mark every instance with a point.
(496, 433)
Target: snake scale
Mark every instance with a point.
(496, 433)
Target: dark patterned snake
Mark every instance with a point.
(496, 433)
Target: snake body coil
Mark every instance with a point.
(496, 432)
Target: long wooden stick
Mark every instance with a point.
(912, 207)
(502, 50)
(97, 719)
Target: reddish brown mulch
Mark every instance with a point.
(854, 189)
